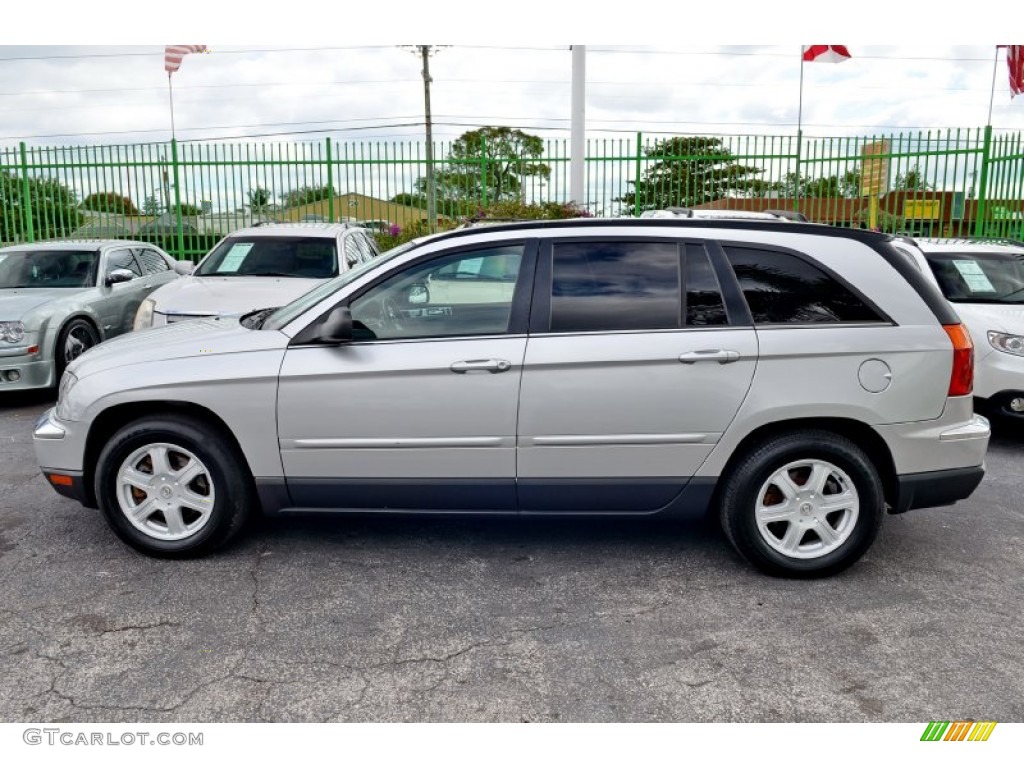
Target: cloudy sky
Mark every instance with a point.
(300, 73)
(58, 95)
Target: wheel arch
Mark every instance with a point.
(861, 434)
(112, 419)
(78, 314)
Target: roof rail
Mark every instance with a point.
(790, 215)
(672, 212)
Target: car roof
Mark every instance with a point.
(295, 229)
(63, 245)
(777, 224)
(963, 244)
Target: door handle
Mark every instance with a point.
(489, 366)
(720, 356)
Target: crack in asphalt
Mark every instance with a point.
(140, 627)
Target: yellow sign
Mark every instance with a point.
(874, 168)
(922, 209)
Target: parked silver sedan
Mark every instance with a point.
(58, 299)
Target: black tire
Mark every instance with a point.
(234, 493)
(79, 334)
(743, 483)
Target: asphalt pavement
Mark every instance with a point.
(364, 619)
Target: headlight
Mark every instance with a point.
(67, 383)
(1007, 342)
(12, 331)
(144, 317)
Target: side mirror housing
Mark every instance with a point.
(184, 267)
(119, 276)
(336, 328)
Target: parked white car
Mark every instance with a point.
(259, 267)
(984, 281)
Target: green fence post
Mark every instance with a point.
(483, 174)
(26, 202)
(796, 185)
(636, 184)
(177, 200)
(980, 210)
(330, 183)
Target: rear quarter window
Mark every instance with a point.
(783, 289)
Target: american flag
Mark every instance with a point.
(1015, 61)
(173, 54)
(828, 53)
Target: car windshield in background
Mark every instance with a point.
(281, 317)
(984, 278)
(309, 257)
(48, 269)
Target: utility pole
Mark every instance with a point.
(431, 199)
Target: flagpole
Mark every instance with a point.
(800, 107)
(992, 96)
(799, 134)
(170, 94)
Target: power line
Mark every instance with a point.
(560, 49)
(160, 52)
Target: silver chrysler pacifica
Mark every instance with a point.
(797, 381)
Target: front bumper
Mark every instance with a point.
(22, 371)
(996, 373)
(69, 484)
(60, 451)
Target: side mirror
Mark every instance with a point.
(184, 267)
(119, 276)
(418, 293)
(336, 328)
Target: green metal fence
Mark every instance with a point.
(185, 196)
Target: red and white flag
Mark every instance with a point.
(827, 53)
(1015, 61)
(173, 54)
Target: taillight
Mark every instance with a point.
(961, 380)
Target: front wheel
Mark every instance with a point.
(172, 487)
(804, 504)
(74, 339)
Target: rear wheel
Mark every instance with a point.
(171, 487)
(804, 504)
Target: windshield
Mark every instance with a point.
(980, 278)
(310, 257)
(48, 269)
(280, 318)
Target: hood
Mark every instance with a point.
(196, 338)
(229, 295)
(1008, 318)
(15, 303)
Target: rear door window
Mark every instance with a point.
(615, 286)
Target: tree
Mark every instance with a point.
(304, 195)
(911, 181)
(53, 206)
(152, 206)
(110, 202)
(259, 198)
(688, 171)
(846, 186)
(489, 164)
(188, 209)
